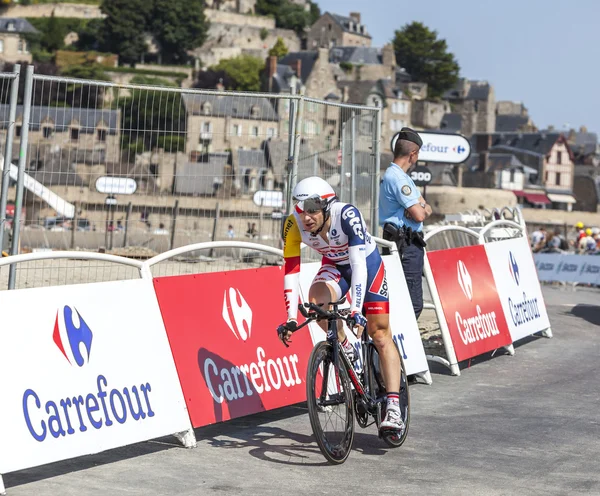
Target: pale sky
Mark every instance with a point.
(539, 52)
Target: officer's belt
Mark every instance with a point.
(404, 235)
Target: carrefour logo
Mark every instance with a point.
(234, 305)
(464, 280)
(513, 267)
(76, 334)
(79, 412)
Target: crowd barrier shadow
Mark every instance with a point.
(589, 313)
(51, 470)
(238, 408)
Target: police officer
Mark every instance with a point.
(402, 211)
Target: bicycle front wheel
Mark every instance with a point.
(329, 397)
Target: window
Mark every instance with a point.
(558, 178)
(74, 134)
(559, 157)
(270, 132)
(236, 130)
(18, 130)
(206, 127)
(255, 131)
(396, 124)
(1, 46)
(21, 46)
(399, 108)
(11, 26)
(330, 26)
(310, 127)
(206, 108)
(255, 111)
(512, 176)
(101, 134)
(47, 132)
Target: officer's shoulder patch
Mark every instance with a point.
(406, 190)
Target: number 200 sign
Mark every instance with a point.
(421, 175)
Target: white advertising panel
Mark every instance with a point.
(518, 287)
(116, 185)
(84, 368)
(440, 147)
(405, 330)
(583, 269)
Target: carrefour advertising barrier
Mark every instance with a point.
(222, 330)
(85, 368)
(470, 301)
(518, 287)
(404, 326)
(582, 269)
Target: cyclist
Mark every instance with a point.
(350, 261)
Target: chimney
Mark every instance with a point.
(271, 70)
(484, 161)
(355, 16)
(388, 56)
(297, 67)
(345, 94)
(483, 142)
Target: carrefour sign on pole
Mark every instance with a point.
(440, 147)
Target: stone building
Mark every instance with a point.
(548, 153)
(219, 123)
(333, 30)
(360, 63)
(313, 71)
(474, 103)
(13, 41)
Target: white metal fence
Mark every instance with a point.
(137, 169)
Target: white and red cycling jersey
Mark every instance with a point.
(351, 260)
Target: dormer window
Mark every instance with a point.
(47, 131)
(255, 111)
(11, 26)
(206, 108)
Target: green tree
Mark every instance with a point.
(279, 49)
(125, 26)
(179, 26)
(287, 15)
(152, 118)
(91, 36)
(315, 12)
(53, 38)
(244, 71)
(426, 58)
(293, 16)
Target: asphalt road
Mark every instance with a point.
(521, 425)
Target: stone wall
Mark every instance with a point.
(428, 115)
(74, 10)
(510, 108)
(226, 40)
(220, 17)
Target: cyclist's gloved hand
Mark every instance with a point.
(284, 331)
(357, 319)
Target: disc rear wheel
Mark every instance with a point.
(377, 388)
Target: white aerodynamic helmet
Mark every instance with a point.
(313, 194)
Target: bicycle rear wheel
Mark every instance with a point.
(329, 397)
(377, 388)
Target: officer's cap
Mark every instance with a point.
(408, 134)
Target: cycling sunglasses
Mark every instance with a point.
(311, 205)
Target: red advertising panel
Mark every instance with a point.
(470, 300)
(222, 330)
